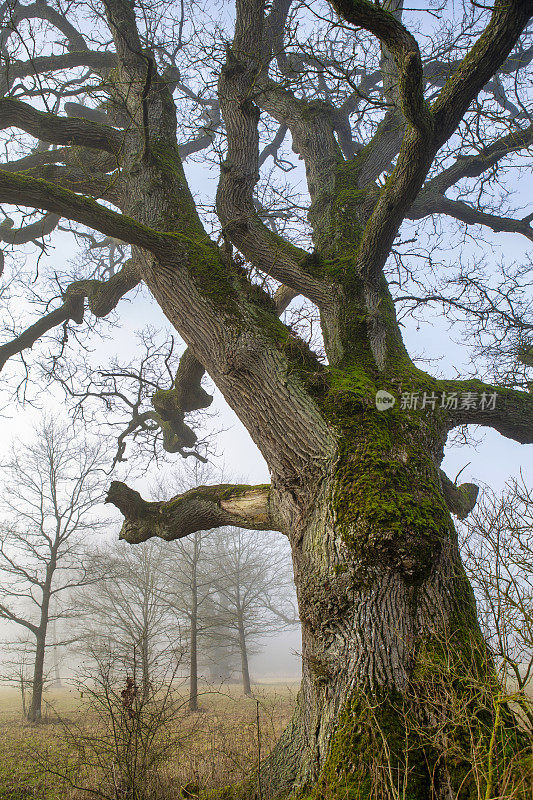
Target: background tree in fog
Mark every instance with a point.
(189, 590)
(185, 603)
(126, 613)
(252, 593)
(52, 485)
(190, 583)
(498, 550)
(411, 125)
(18, 659)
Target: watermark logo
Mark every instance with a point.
(384, 400)
(451, 401)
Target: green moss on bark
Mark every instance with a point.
(445, 731)
(386, 496)
(371, 754)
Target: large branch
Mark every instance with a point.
(404, 49)
(395, 199)
(187, 392)
(19, 189)
(382, 148)
(186, 395)
(40, 65)
(489, 52)
(427, 204)
(81, 180)
(28, 233)
(386, 142)
(102, 297)
(240, 171)
(424, 136)
(508, 411)
(41, 10)
(59, 130)
(312, 127)
(432, 200)
(416, 151)
(199, 509)
(37, 158)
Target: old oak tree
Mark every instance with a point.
(98, 102)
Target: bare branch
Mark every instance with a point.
(403, 48)
(41, 10)
(508, 411)
(28, 233)
(240, 171)
(201, 508)
(102, 297)
(37, 193)
(431, 203)
(59, 130)
(41, 65)
(474, 166)
(492, 48)
(81, 180)
(10, 616)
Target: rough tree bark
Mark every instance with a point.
(390, 635)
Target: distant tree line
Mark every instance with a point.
(207, 601)
(202, 604)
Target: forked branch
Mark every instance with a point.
(404, 49)
(488, 53)
(240, 80)
(102, 298)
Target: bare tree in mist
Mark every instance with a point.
(190, 587)
(252, 593)
(126, 613)
(52, 484)
(498, 551)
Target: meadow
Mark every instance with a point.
(76, 753)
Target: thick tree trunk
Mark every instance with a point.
(397, 691)
(397, 687)
(35, 709)
(243, 650)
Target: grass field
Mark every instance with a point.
(214, 747)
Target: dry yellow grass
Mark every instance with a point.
(218, 745)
